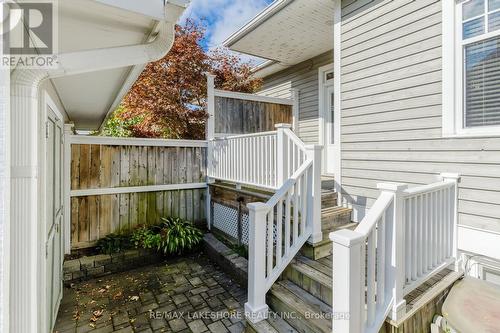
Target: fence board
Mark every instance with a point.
(95, 166)
(237, 116)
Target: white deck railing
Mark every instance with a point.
(281, 226)
(245, 159)
(407, 236)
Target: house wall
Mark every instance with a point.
(303, 76)
(391, 112)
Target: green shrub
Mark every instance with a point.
(172, 236)
(114, 243)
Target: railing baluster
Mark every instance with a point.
(303, 197)
(420, 236)
(413, 235)
(279, 232)
(270, 222)
(295, 213)
(408, 239)
(381, 261)
(370, 276)
(287, 223)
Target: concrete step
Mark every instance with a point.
(324, 247)
(310, 314)
(313, 276)
(336, 216)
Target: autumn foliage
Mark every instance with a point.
(168, 100)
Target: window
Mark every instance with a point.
(476, 105)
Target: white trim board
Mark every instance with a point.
(337, 65)
(137, 189)
(253, 97)
(479, 241)
(111, 141)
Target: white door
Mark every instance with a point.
(327, 111)
(54, 210)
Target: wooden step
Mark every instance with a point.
(301, 310)
(313, 276)
(324, 247)
(336, 216)
(327, 183)
(328, 198)
(273, 324)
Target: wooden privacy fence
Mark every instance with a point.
(240, 113)
(117, 184)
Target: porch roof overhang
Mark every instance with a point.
(286, 33)
(99, 24)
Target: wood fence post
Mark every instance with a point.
(210, 134)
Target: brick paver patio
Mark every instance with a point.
(183, 295)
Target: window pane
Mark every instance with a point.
(493, 5)
(473, 28)
(482, 83)
(472, 9)
(332, 119)
(494, 21)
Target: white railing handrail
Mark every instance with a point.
(283, 190)
(369, 222)
(237, 136)
(406, 237)
(429, 187)
(296, 140)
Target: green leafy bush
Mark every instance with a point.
(114, 243)
(172, 236)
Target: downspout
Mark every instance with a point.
(25, 248)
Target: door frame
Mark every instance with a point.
(322, 105)
(47, 102)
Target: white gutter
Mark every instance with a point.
(26, 182)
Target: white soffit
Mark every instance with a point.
(87, 25)
(297, 30)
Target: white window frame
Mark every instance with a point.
(453, 73)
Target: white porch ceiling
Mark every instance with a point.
(86, 25)
(297, 31)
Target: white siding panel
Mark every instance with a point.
(304, 77)
(391, 111)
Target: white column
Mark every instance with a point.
(4, 191)
(68, 131)
(210, 134)
(295, 109)
(314, 199)
(348, 285)
(256, 308)
(395, 272)
(454, 177)
(282, 157)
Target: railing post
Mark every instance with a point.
(295, 109)
(314, 193)
(256, 308)
(455, 177)
(210, 134)
(395, 272)
(282, 154)
(348, 285)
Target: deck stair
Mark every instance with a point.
(302, 298)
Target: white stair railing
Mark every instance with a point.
(281, 226)
(406, 237)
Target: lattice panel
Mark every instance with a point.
(226, 220)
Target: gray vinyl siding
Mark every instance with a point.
(304, 77)
(391, 110)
